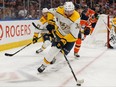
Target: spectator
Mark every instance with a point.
(22, 12)
(21, 8)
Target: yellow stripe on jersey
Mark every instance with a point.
(35, 34)
(60, 10)
(58, 33)
(43, 20)
(50, 16)
(70, 38)
(114, 21)
(74, 16)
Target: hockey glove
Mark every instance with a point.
(86, 31)
(51, 35)
(50, 26)
(35, 38)
(61, 43)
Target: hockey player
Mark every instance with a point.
(90, 16)
(42, 25)
(85, 30)
(63, 23)
(88, 22)
(113, 33)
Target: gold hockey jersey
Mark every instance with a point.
(114, 21)
(42, 23)
(67, 27)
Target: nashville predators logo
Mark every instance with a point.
(64, 26)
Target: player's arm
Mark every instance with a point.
(40, 24)
(51, 23)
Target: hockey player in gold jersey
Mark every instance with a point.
(42, 23)
(63, 23)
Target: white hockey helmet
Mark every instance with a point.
(69, 6)
(44, 10)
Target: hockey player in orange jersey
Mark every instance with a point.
(85, 30)
(93, 17)
(88, 22)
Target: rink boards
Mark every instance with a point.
(16, 33)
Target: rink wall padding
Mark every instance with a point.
(16, 44)
(16, 33)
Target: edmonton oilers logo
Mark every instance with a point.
(1, 32)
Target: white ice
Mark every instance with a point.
(97, 66)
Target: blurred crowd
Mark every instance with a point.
(31, 9)
(101, 6)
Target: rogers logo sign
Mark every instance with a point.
(14, 30)
(17, 30)
(1, 32)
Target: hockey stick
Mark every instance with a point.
(12, 54)
(106, 26)
(79, 82)
(8, 54)
(37, 26)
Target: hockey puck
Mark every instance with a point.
(78, 84)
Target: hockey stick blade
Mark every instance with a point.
(7, 54)
(79, 82)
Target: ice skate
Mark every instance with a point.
(39, 50)
(76, 55)
(53, 61)
(111, 47)
(41, 68)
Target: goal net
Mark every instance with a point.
(100, 35)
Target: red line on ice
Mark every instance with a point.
(87, 65)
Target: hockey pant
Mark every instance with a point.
(46, 41)
(57, 53)
(92, 27)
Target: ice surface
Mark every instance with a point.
(97, 66)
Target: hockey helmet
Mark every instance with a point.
(44, 10)
(69, 6)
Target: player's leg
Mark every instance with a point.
(54, 52)
(46, 43)
(77, 47)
